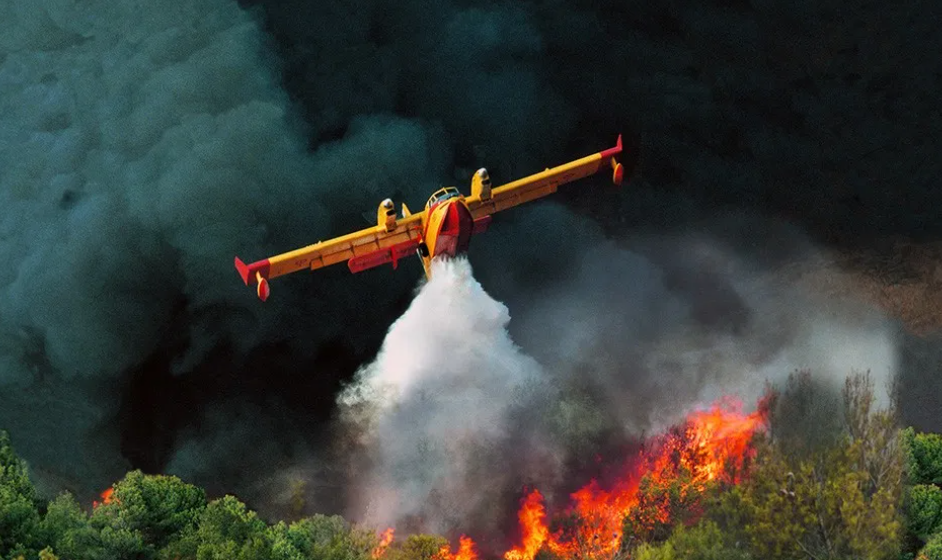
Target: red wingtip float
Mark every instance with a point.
(263, 290)
(443, 229)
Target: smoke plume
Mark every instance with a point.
(141, 148)
(457, 414)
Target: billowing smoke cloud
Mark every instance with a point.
(141, 148)
(457, 413)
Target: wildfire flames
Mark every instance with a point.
(106, 498)
(465, 551)
(711, 445)
(384, 540)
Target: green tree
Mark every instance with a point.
(66, 528)
(157, 507)
(842, 500)
(802, 416)
(923, 497)
(19, 517)
(416, 547)
(47, 554)
(924, 510)
(725, 508)
(924, 457)
(772, 519)
(321, 537)
(70, 534)
(877, 444)
(932, 550)
(225, 530)
(704, 541)
(120, 543)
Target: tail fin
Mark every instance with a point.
(243, 270)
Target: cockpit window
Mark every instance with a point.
(442, 194)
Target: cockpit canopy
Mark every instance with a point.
(442, 194)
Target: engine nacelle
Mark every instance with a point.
(481, 185)
(386, 215)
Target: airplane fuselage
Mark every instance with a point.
(447, 227)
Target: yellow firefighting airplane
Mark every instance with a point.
(443, 229)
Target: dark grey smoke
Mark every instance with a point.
(141, 147)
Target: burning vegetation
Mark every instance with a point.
(106, 497)
(711, 447)
(723, 484)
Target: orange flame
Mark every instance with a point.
(465, 551)
(384, 541)
(532, 517)
(719, 441)
(713, 444)
(106, 498)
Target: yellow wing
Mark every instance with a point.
(544, 183)
(363, 249)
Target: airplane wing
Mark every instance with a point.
(363, 249)
(544, 183)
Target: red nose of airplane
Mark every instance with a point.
(455, 233)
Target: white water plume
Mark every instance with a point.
(438, 400)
